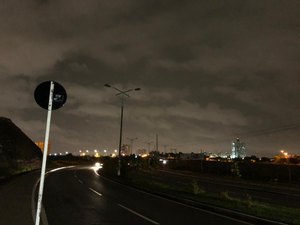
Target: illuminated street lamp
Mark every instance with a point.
(284, 153)
(122, 94)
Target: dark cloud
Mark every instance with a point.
(209, 71)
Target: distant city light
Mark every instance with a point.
(285, 153)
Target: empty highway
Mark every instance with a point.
(79, 196)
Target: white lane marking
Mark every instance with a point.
(135, 213)
(33, 211)
(96, 192)
(60, 168)
(76, 177)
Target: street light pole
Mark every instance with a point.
(120, 140)
(122, 94)
(131, 143)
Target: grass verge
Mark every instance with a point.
(193, 191)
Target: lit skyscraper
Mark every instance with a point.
(238, 149)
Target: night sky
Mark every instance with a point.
(209, 72)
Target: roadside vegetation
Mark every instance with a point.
(194, 192)
(141, 173)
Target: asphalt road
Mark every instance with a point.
(79, 196)
(16, 199)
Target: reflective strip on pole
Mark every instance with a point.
(45, 153)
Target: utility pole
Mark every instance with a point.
(156, 142)
(131, 143)
(149, 143)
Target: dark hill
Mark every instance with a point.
(18, 152)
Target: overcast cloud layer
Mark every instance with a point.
(210, 71)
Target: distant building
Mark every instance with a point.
(238, 149)
(41, 145)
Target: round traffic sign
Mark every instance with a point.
(42, 91)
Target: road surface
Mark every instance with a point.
(79, 196)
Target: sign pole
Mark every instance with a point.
(45, 153)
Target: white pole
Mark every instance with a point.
(45, 153)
